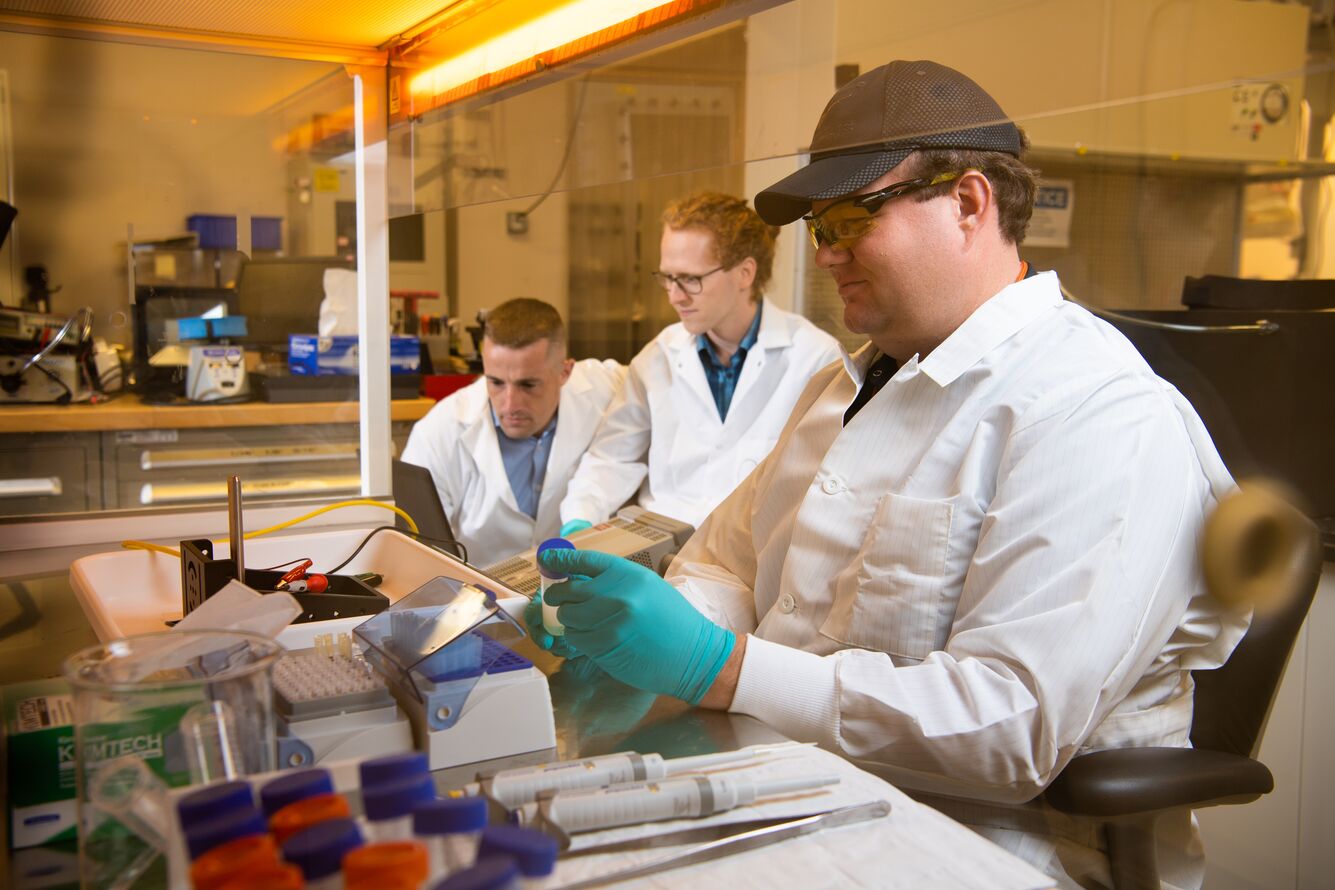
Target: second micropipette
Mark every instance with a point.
(679, 798)
(513, 787)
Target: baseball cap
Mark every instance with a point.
(875, 121)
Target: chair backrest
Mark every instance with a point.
(1233, 700)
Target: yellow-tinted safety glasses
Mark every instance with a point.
(847, 220)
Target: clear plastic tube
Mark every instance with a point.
(127, 788)
(546, 580)
(212, 749)
(399, 828)
(450, 853)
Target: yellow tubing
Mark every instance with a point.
(359, 502)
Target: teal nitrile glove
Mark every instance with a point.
(635, 625)
(575, 525)
(533, 621)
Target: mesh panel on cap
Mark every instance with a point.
(896, 108)
(881, 163)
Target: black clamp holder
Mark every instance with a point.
(202, 576)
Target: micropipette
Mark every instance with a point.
(514, 787)
(591, 810)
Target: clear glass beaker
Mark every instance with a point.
(192, 706)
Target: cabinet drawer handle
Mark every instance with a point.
(175, 492)
(244, 456)
(40, 487)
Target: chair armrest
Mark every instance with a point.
(1130, 781)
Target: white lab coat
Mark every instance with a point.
(990, 569)
(663, 436)
(456, 441)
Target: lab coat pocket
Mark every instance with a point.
(900, 595)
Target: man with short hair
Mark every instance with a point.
(502, 449)
(972, 553)
(703, 402)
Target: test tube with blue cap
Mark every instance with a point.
(450, 828)
(490, 873)
(547, 578)
(532, 850)
(319, 850)
(389, 806)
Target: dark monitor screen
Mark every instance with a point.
(281, 296)
(157, 305)
(7, 214)
(415, 493)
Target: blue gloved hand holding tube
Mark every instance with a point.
(635, 625)
(558, 646)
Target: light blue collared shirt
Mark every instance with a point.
(526, 463)
(723, 378)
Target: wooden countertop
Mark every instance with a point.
(127, 412)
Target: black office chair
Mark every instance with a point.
(1258, 550)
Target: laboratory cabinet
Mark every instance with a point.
(49, 473)
(125, 455)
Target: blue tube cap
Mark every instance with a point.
(453, 815)
(553, 544)
(318, 851)
(534, 851)
(290, 788)
(491, 873)
(392, 768)
(212, 801)
(205, 834)
(389, 800)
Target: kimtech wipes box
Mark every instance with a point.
(40, 763)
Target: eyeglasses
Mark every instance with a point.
(689, 284)
(847, 220)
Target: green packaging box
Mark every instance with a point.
(40, 763)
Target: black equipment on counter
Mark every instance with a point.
(202, 576)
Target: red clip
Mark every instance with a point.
(310, 584)
(293, 574)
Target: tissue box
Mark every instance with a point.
(40, 763)
(310, 354)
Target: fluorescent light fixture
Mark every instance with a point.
(562, 34)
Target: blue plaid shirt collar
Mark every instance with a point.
(723, 378)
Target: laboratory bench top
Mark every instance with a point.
(594, 715)
(129, 412)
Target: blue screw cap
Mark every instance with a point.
(212, 801)
(553, 544)
(453, 815)
(534, 851)
(392, 768)
(389, 800)
(318, 851)
(290, 788)
(205, 834)
(491, 873)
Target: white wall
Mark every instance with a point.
(495, 266)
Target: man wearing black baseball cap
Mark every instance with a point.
(971, 554)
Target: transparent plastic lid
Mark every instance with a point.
(445, 633)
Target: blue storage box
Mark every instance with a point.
(266, 233)
(213, 231)
(311, 354)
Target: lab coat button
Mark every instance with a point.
(831, 486)
(787, 603)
